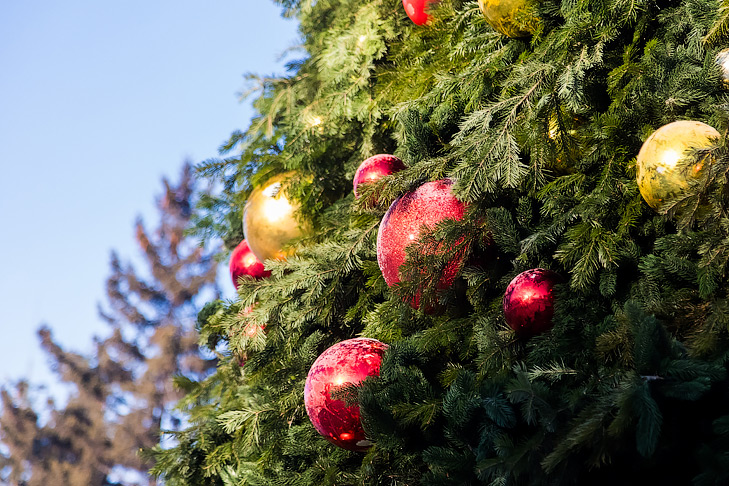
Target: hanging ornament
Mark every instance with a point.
(513, 18)
(248, 327)
(269, 220)
(344, 364)
(428, 205)
(663, 171)
(244, 262)
(375, 168)
(529, 302)
(563, 132)
(251, 328)
(722, 59)
(417, 10)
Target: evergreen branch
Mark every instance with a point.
(248, 418)
(553, 372)
(720, 30)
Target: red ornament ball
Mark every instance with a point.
(244, 262)
(529, 301)
(428, 205)
(252, 327)
(346, 363)
(249, 328)
(375, 168)
(416, 10)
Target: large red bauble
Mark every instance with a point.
(416, 10)
(375, 168)
(428, 205)
(346, 363)
(244, 262)
(529, 301)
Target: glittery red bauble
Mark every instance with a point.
(344, 364)
(244, 262)
(416, 10)
(375, 168)
(428, 205)
(529, 301)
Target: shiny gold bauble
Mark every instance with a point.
(269, 219)
(722, 59)
(664, 166)
(513, 18)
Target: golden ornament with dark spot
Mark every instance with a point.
(513, 18)
(269, 219)
(664, 167)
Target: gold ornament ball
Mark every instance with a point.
(663, 169)
(513, 18)
(269, 219)
(563, 131)
(722, 59)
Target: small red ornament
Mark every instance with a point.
(529, 301)
(252, 328)
(428, 205)
(346, 363)
(244, 262)
(416, 10)
(375, 168)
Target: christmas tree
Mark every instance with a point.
(122, 396)
(546, 267)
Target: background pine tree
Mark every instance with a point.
(121, 397)
(540, 135)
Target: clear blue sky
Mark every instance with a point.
(98, 101)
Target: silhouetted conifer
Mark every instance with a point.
(122, 395)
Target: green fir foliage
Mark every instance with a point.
(540, 135)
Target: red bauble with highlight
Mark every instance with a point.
(428, 205)
(344, 364)
(249, 328)
(244, 262)
(375, 168)
(252, 327)
(529, 302)
(416, 10)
